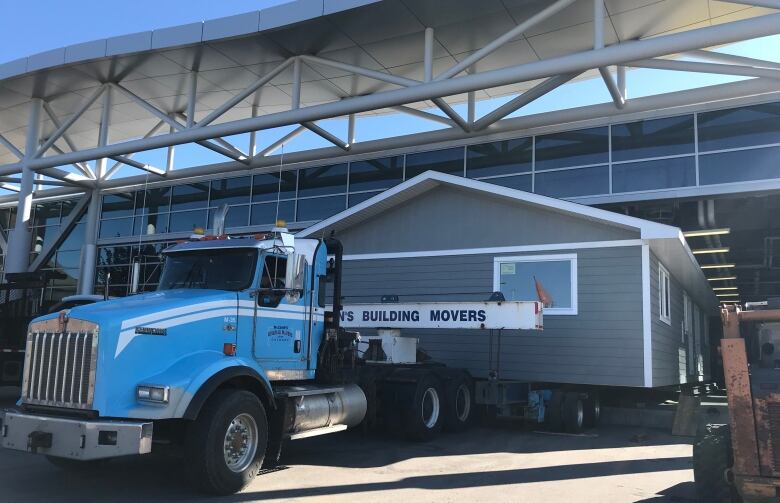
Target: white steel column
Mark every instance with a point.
(296, 89)
(428, 55)
(89, 248)
(171, 154)
(18, 255)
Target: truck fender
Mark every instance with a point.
(219, 378)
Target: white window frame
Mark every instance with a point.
(663, 295)
(571, 257)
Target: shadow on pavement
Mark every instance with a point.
(683, 492)
(163, 478)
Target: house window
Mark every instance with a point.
(551, 279)
(665, 295)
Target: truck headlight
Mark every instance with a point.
(154, 394)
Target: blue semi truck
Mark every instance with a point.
(242, 347)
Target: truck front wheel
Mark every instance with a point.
(226, 444)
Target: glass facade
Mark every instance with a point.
(698, 149)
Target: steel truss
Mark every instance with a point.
(461, 78)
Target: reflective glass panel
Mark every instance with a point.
(573, 182)
(69, 259)
(237, 216)
(652, 138)
(230, 191)
(156, 200)
(113, 255)
(651, 175)
(445, 161)
(187, 221)
(740, 166)
(75, 239)
(546, 280)
(115, 228)
(190, 197)
(266, 213)
(322, 180)
(117, 205)
(520, 182)
(146, 225)
(739, 127)
(499, 158)
(319, 208)
(572, 148)
(376, 173)
(266, 186)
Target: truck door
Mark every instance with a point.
(281, 323)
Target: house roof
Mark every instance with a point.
(665, 241)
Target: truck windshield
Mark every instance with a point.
(223, 269)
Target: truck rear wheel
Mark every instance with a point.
(573, 412)
(226, 444)
(712, 457)
(423, 416)
(458, 403)
(591, 409)
(553, 413)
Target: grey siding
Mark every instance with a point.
(602, 344)
(447, 218)
(669, 348)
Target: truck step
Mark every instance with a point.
(305, 390)
(315, 432)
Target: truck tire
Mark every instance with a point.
(553, 412)
(226, 444)
(458, 403)
(712, 456)
(573, 412)
(423, 416)
(591, 410)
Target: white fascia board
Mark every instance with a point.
(647, 229)
(647, 319)
(497, 250)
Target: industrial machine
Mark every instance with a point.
(741, 461)
(235, 353)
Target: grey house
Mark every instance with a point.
(626, 302)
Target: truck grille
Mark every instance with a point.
(59, 367)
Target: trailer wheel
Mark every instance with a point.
(459, 403)
(423, 417)
(591, 410)
(226, 444)
(573, 412)
(712, 457)
(553, 413)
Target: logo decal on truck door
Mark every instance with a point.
(279, 332)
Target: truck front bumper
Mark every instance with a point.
(74, 438)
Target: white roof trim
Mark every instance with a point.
(431, 179)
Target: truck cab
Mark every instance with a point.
(230, 317)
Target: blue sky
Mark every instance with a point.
(30, 27)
